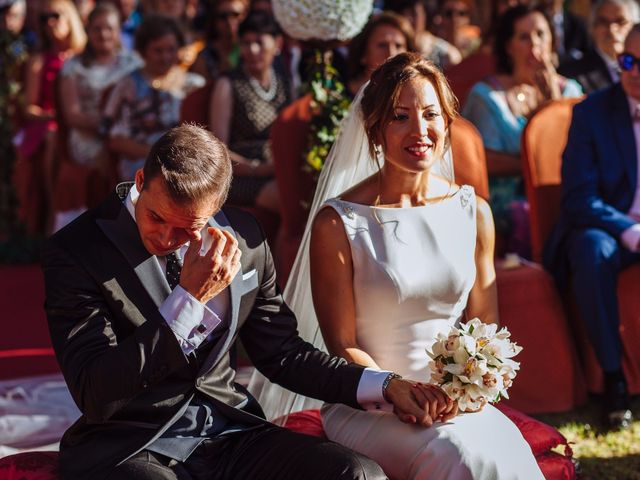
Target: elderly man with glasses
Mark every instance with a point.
(610, 23)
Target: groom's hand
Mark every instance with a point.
(205, 276)
(419, 403)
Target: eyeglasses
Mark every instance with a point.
(602, 22)
(627, 61)
(46, 16)
(453, 12)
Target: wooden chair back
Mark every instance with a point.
(543, 142)
(195, 106)
(469, 160)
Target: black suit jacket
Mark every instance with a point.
(576, 38)
(123, 364)
(590, 71)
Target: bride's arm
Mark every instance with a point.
(332, 288)
(483, 298)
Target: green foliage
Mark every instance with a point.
(601, 455)
(329, 105)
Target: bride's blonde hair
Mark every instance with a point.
(381, 94)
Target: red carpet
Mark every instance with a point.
(25, 348)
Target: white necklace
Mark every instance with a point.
(270, 93)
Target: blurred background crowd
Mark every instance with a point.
(87, 86)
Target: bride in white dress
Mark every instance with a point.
(394, 260)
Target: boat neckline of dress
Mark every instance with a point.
(430, 203)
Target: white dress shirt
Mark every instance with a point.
(192, 322)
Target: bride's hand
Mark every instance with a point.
(420, 403)
(402, 395)
(433, 398)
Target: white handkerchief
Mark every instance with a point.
(248, 275)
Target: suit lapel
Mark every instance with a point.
(625, 137)
(235, 295)
(123, 233)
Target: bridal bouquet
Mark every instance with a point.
(473, 364)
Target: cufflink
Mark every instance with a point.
(201, 328)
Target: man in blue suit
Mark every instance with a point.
(599, 230)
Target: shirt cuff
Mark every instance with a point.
(369, 394)
(631, 236)
(190, 320)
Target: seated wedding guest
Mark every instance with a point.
(598, 234)
(610, 23)
(433, 48)
(454, 24)
(62, 36)
(146, 103)
(13, 14)
(243, 106)
(385, 35)
(501, 104)
(221, 52)
(390, 206)
(146, 296)
(84, 80)
(570, 31)
(183, 12)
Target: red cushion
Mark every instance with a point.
(540, 436)
(30, 466)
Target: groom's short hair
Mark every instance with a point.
(193, 164)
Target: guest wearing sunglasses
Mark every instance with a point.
(598, 234)
(62, 35)
(221, 53)
(610, 23)
(453, 23)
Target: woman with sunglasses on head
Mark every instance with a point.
(453, 23)
(500, 106)
(221, 52)
(62, 35)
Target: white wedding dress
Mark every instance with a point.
(413, 269)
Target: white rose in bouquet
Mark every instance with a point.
(474, 364)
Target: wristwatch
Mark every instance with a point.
(386, 382)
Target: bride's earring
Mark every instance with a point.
(378, 151)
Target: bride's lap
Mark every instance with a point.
(484, 445)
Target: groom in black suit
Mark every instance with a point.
(146, 296)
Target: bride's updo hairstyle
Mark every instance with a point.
(381, 94)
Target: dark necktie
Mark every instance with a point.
(173, 269)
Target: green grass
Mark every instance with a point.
(601, 455)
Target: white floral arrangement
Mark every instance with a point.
(322, 19)
(474, 364)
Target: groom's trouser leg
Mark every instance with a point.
(596, 259)
(274, 453)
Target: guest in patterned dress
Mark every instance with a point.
(84, 80)
(243, 106)
(146, 103)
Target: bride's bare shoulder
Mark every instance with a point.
(364, 193)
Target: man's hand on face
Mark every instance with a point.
(205, 276)
(419, 403)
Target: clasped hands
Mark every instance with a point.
(420, 403)
(205, 276)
